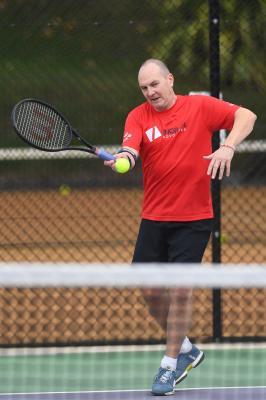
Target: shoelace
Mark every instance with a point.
(166, 375)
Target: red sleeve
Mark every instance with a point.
(133, 131)
(218, 114)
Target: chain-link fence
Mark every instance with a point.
(83, 58)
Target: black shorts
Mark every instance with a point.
(178, 242)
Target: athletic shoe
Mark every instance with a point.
(164, 382)
(187, 361)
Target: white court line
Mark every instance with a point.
(47, 351)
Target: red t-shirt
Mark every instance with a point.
(172, 144)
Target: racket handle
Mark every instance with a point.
(104, 155)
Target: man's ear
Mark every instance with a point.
(171, 79)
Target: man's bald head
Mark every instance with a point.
(156, 84)
(160, 64)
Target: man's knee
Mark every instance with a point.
(181, 295)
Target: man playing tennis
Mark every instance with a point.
(172, 134)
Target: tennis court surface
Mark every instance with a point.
(126, 372)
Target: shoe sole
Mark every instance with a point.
(195, 364)
(163, 394)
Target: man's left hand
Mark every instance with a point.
(220, 160)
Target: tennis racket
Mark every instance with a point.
(43, 127)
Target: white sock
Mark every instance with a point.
(168, 363)
(186, 345)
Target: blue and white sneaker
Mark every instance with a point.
(166, 379)
(164, 382)
(187, 361)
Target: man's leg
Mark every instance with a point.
(178, 320)
(187, 243)
(172, 308)
(186, 246)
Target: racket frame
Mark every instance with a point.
(101, 153)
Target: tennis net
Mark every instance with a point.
(85, 331)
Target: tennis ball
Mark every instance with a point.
(122, 165)
(64, 190)
(224, 238)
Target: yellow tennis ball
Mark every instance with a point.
(224, 238)
(122, 165)
(64, 190)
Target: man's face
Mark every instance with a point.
(156, 87)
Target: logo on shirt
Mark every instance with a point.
(167, 133)
(127, 136)
(153, 133)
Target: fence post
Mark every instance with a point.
(214, 65)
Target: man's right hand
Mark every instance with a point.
(122, 154)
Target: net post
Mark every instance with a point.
(214, 65)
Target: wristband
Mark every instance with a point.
(128, 151)
(230, 147)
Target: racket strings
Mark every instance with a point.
(42, 126)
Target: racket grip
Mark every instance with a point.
(104, 155)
